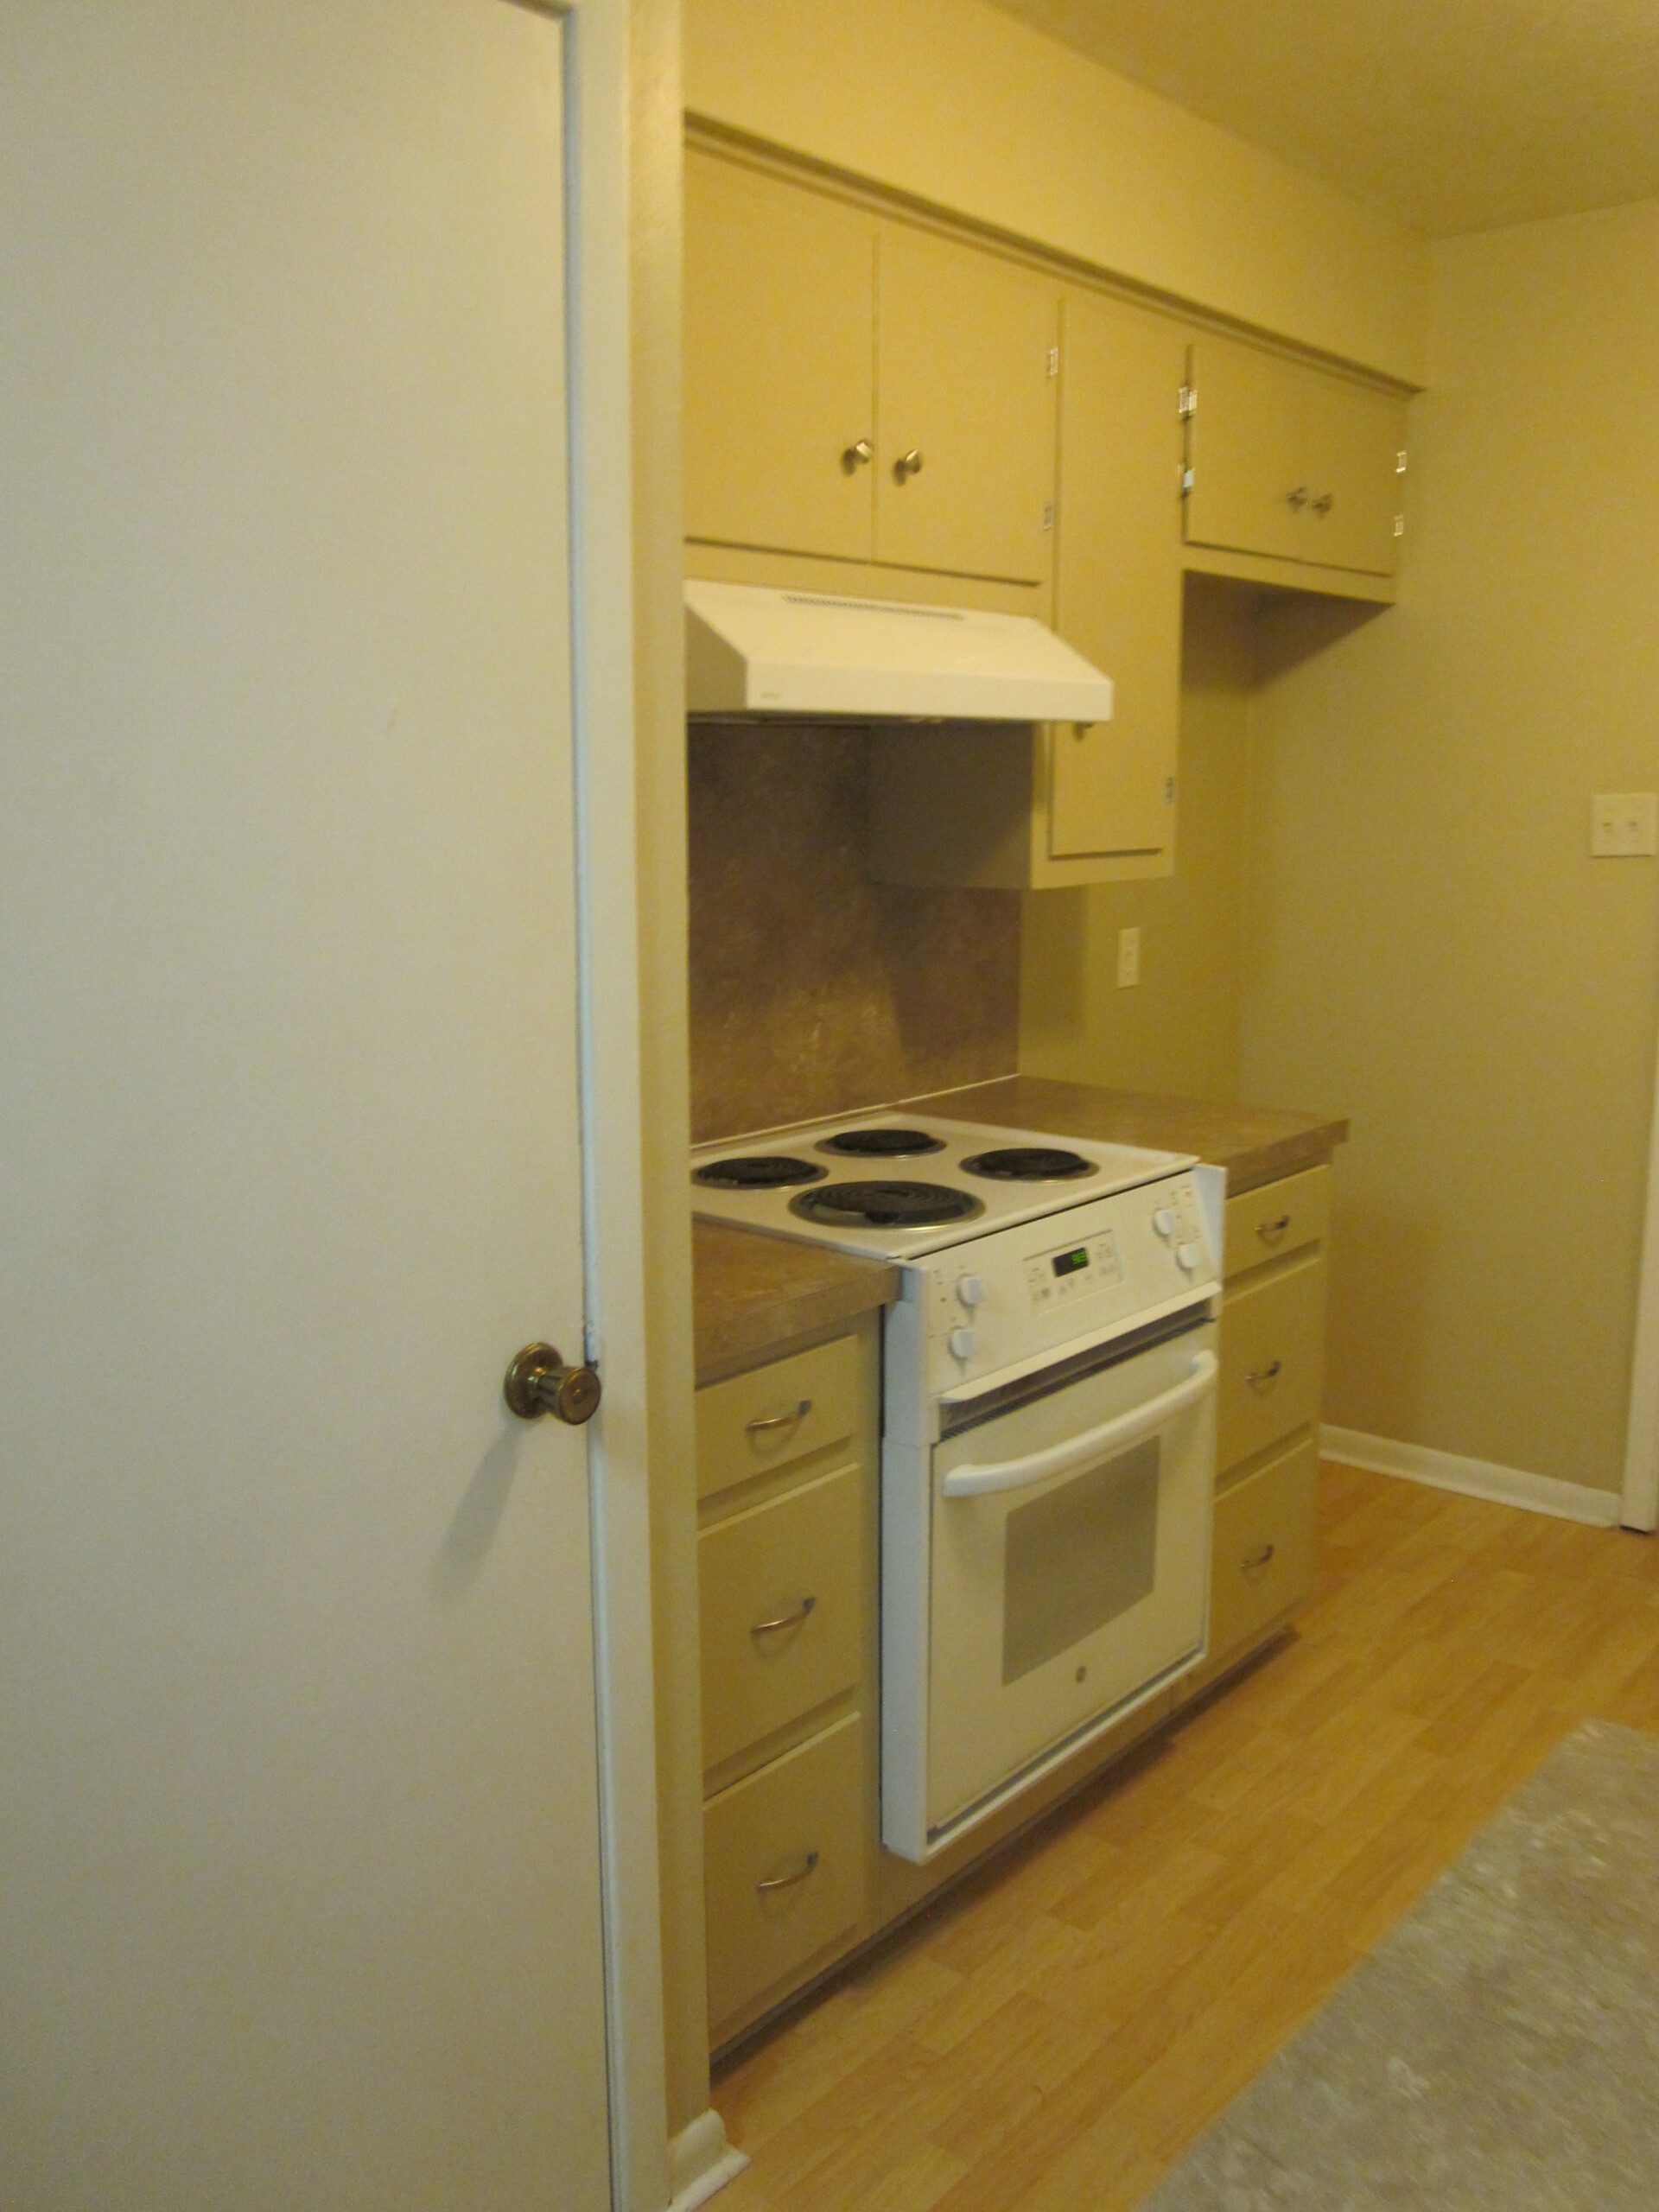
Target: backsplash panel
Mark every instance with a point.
(815, 991)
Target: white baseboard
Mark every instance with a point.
(1419, 1463)
(700, 2161)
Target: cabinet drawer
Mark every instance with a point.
(1280, 1218)
(1263, 1561)
(1272, 1351)
(782, 1617)
(764, 1419)
(784, 1866)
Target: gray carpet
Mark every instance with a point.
(1499, 2051)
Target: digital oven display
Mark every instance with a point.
(1068, 1263)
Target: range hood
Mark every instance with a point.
(753, 652)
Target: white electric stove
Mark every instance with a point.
(1048, 1431)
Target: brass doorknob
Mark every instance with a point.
(538, 1382)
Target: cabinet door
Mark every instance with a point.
(1291, 462)
(1118, 574)
(779, 364)
(963, 390)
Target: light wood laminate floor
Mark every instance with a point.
(1052, 2036)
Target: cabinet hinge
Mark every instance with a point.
(1169, 791)
(1053, 361)
(1186, 482)
(1187, 403)
(1048, 514)
(1399, 525)
(1400, 463)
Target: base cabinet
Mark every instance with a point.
(1272, 1355)
(786, 1478)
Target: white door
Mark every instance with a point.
(299, 1888)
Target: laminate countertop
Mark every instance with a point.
(753, 1293)
(1254, 1144)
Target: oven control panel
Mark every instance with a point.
(1176, 1222)
(1073, 1271)
(1020, 1292)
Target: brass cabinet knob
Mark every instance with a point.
(539, 1383)
(1324, 504)
(1297, 499)
(908, 464)
(857, 454)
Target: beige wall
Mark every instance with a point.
(1433, 951)
(1178, 1030)
(960, 106)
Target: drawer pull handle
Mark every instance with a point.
(784, 1620)
(788, 1881)
(760, 1427)
(1267, 1231)
(1260, 1556)
(1263, 1378)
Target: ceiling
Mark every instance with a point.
(1454, 115)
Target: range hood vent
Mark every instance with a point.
(755, 651)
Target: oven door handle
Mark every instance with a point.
(976, 1481)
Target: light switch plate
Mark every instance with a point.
(1624, 825)
(1128, 957)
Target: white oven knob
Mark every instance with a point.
(1188, 1256)
(971, 1291)
(1164, 1222)
(962, 1343)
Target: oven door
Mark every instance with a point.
(1070, 1566)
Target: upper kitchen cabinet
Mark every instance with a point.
(1085, 803)
(965, 367)
(1118, 578)
(1292, 463)
(779, 364)
(858, 390)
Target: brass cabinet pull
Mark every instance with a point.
(1259, 1557)
(908, 464)
(1298, 498)
(857, 454)
(1267, 1231)
(1263, 1378)
(788, 1881)
(1324, 504)
(763, 1427)
(784, 1620)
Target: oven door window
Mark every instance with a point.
(1076, 1557)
